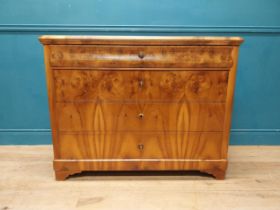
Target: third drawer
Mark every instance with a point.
(183, 116)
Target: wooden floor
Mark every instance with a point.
(27, 183)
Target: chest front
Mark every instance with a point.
(120, 105)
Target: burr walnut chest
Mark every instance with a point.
(121, 103)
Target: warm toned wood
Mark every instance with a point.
(140, 103)
(216, 168)
(140, 116)
(109, 56)
(229, 102)
(183, 146)
(141, 40)
(217, 171)
(83, 85)
(51, 99)
(252, 182)
(63, 173)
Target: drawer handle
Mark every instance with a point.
(141, 115)
(140, 146)
(141, 55)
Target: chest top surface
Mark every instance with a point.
(141, 40)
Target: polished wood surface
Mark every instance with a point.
(252, 183)
(132, 85)
(141, 40)
(140, 103)
(157, 146)
(140, 56)
(125, 116)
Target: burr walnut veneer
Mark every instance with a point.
(140, 103)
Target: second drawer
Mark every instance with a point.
(181, 116)
(158, 85)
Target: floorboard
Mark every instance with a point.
(252, 182)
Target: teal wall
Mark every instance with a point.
(24, 117)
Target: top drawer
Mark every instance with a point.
(94, 56)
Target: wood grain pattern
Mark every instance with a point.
(140, 145)
(140, 103)
(85, 85)
(51, 100)
(65, 168)
(229, 102)
(141, 40)
(140, 116)
(140, 56)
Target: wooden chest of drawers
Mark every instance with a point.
(140, 103)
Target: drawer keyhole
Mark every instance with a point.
(141, 55)
(141, 83)
(141, 116)
(140, 146)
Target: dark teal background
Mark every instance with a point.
(24, 117)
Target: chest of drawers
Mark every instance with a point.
(140, 103)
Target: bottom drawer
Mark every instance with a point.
(137, 145)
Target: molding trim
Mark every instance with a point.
(43, 136)
(254, 130)
(35, 28)
(49, 130)
(25, 130)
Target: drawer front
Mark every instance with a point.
(103, 117)
(131, 145)
(82, 85)
(140, 56)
